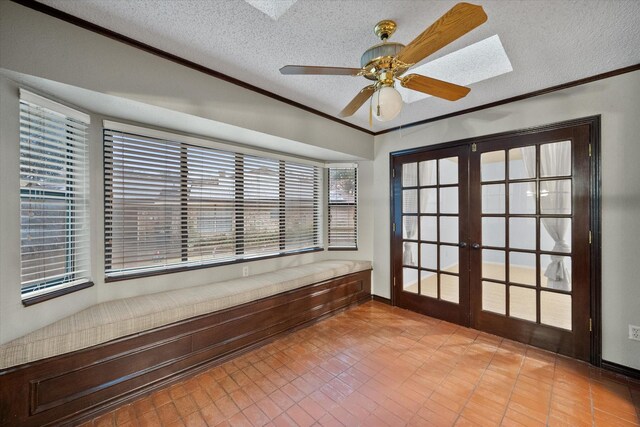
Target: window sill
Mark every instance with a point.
(343, 249)
(109, 279)
(55, 294)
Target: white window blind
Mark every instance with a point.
(343, 207)
(54, 237)
(171, 205)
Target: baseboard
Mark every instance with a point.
(381, 299)
(621, 369)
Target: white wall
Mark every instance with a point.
(34, 44)
(618, 101)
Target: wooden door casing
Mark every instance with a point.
(584, 341)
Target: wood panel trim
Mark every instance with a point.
(524, 96)
(80, 385)
(621, 369)
(380, 299)
(48, 10)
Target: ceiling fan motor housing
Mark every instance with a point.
(380, 58)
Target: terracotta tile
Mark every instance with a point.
(300, 416)
(293, 392)
(201, 398)
(212, 415)
(185, 406)
(269, 407)
(283, 420)
(142, 406)
(239, 420)
(168, 413)
(329, 421)
(312, 408)
(106, 420)
(226, 405)
(177, 391)
(160, 398)
(125, 414)
(194, 419)
(607, 419)
(175, 423)
(256, 417)
(482, 415)
(149, 419)
(228, 384)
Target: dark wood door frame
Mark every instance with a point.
(593, 124)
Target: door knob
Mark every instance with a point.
(476, 246)
(462, 244)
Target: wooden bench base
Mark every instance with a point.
(74, 387)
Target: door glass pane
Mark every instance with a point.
(492, 166)
(493, 231)
(409, 201)
(555, 197)
(448, 170)
(522, 233)
(428, 173)
(449, 229)
(555, 309)
(428, 200)
(410, 280)
(493, 198)
(429, 228)
(555, 234)
(429, 284)
(429, 256)
(522, 162)
(522, 303)
(449, 200)
(410, 254)
(555, 272)
(449, 258)
(410, 227)
(410, 174)
(522, 268)
(522, 198)
(494, 297)
(555, 159)
(493, 264)
(449, 288)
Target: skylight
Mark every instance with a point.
(475, 63)
(273, 8)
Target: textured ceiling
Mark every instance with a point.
(548, 42)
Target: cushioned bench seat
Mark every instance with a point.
(114, 319)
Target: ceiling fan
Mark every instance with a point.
(387, 61)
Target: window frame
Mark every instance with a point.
(71, 281)
(353, 204)
(238, 215)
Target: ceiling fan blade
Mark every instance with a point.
(327, 71)
(458, 21)
(435, 87)
(357, 101)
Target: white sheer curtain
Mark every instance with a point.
(555, 198)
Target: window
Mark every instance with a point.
(343, 207)
(171, 204)
(54, 250)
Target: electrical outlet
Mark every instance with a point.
(634, 332)
(245, 271)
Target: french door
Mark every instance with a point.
(494, 234)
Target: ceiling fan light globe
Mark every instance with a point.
(387, 103)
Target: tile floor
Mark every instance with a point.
(375, 365)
